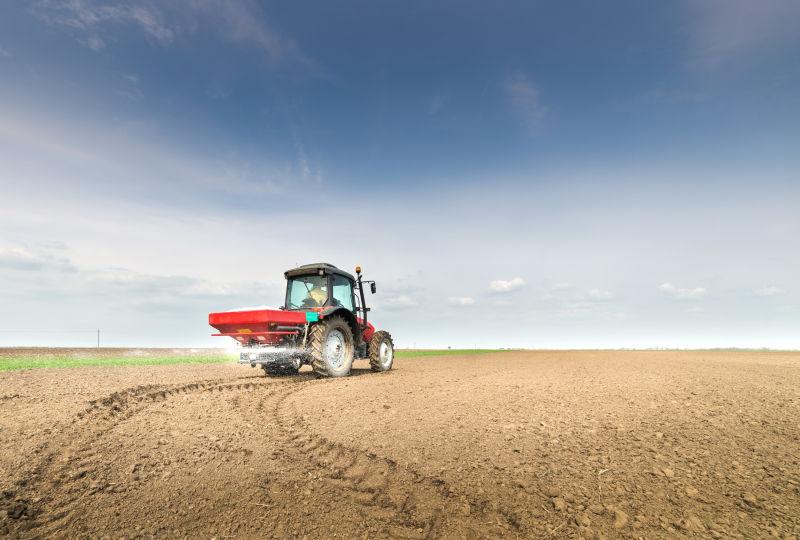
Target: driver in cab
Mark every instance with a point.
(316, 297)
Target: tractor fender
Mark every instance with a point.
(347, 315)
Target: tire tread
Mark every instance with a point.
(375, 350)
(316, 343)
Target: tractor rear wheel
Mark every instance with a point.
(381, 351)
(331, 345)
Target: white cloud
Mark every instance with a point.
(168, 290)
(400, 302)
(561, 287)
(461, 301)
(504, 286)
(599, 294)
(690, 294)
(769, 291)
(25, 259)
(4, 53)
(525, 98)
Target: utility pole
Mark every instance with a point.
(98, 338)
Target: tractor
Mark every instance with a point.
(323, 322)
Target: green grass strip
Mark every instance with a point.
(43, 362)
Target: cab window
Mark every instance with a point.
(306, 292)
(342, 292)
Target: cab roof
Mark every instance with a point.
(314, 268)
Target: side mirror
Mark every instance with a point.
(372, 287)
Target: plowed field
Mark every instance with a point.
(515, 444)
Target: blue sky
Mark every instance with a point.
(537, 174)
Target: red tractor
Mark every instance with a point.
(323, 323)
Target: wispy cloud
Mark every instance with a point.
(505, 286)
(525, 98)
(588, 310)
(154, 289)
(599, 294)
(399, 302)
(305, 170)
(130, 88)
(95, 24)
(730, 31)
(461, 301)
(122, 160)
(683, 293)
(96, 43)
(94, 17)
(769, 291)
(4, 53)
(33, 259)
(52, 275)
(242, 21)
(436, 104)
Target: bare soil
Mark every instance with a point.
(523, 444)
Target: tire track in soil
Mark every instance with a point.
(408, 503)
(67, 459)
(412, 504)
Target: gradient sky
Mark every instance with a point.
(524, 174)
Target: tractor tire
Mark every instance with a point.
(331, 346)
(381, 351)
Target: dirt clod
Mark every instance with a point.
(17, 510)
(552, 491)
(596, 508)
(691, 523)
(750, 499)
(620, 519)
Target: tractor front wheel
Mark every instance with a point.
(331, 345)
(381, 351)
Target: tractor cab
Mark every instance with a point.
(319, 286)
(323, 287)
